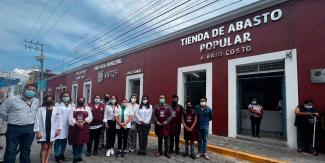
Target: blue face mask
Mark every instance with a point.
(65, 99)
(30, 93)
(97, 101)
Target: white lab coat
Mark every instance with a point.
(65, 111)
(56, 122)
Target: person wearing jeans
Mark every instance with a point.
(255, 113)
(60, 143)
(143, 119)
(204, 116)
(123, 117)
(20, 112)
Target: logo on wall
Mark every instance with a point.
(100, 76)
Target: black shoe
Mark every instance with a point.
(57, 159)
(185, 154)
(62, 157)
(80, 159)
(88, 154)
(170, 151)
(177, 152)
(167, 155)
(118, 153)
(144, 153)
(123, 154)
(139, 153)
(75, 160)
(95, 153)
(193, 156)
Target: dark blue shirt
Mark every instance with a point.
(204, 116)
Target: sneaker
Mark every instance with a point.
(206, 156)
(139, 153)
(112, 151)
(62, 157)
(144, 153)
(198, 155)
(167, 155)
(185, 154)
(132, 149)
(108, 153)
(118, 153)
(123, 153)
(127, 151)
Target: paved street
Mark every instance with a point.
(132, 157)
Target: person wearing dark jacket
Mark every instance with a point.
(304, 122)
(95, 128)
(175, 125)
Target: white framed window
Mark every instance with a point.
(87, 91)
(74, 93)
(58, 92)
(196, 70)
(134, 85)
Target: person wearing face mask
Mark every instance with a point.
(204, 116)
(132, 138)
(47, 127)
(79, 119)
(255, 114)
(304, 122)
(106, 101)
(20, 112)
(143, 121)
(110, 124)
(60, 143)
(162, 115)
(96, 125)
(123, 117)
(189, 119)
(176, 124)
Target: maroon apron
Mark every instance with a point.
(98, 114)
(162, 114)
(79, 135)
(189, 118)
(176, 122)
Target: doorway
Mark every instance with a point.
(134, 85)
(195, 86)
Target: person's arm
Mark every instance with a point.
(154, 117)
(60, 123)
(170, 114)
(37, 124)
(195, 121)
(89, 118)
(298, 112)
(4, 109)
(185, 127)
(71, 119)
(137, 115)
(105, 116)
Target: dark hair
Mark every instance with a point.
(147, 105)
(93, 100)
(307, 101)
(46, 97)
(188, 101)
(257, 101)
(203, 97)
(136, 97)
(31, 85)
(107, 94)
(175, 96)
(65, 92)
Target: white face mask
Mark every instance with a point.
(254, 102)
(113, 101)
(203, 103)
(308, 106)
(144, 101)
(133, 100)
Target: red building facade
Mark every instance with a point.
(270, 50)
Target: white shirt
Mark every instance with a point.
(127, 113)
(133, 108)
(109, 112)
(144, 114)
(89, 118)
(65, 111)
(56, 122)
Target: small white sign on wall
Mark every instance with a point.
(317, 76)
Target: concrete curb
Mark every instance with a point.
(234, 153)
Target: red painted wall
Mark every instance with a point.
(301, 27)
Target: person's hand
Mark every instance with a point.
(57, 133)
(80, 125)
(308, 113)
(106, 125)
(38, 135)
(316, 114)
(158, 123)
(122, 124)
(141, 122)
(165, 123)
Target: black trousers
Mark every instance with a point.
(174, 139)
(160, 142)
(122, 136)
(94, 136)
(256, 123)
(305, 138)
(110, 134)
(143, 132)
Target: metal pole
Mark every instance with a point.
(314, 131)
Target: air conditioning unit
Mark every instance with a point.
(317, 76)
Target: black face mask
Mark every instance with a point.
(106, 98)
(188, 108)
(49, 103)
(174, 102)
(80, 103)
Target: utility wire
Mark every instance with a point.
(38, 18)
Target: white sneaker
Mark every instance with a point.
(112, 151)
(108, 153)
(132, 150)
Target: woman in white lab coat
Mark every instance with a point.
(48, 125)
(60, 143)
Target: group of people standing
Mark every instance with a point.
(57, 124)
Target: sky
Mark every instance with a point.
(77, 32)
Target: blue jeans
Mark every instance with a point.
(22, 136)
(59, 146)
(203, 136)
(77, 150)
